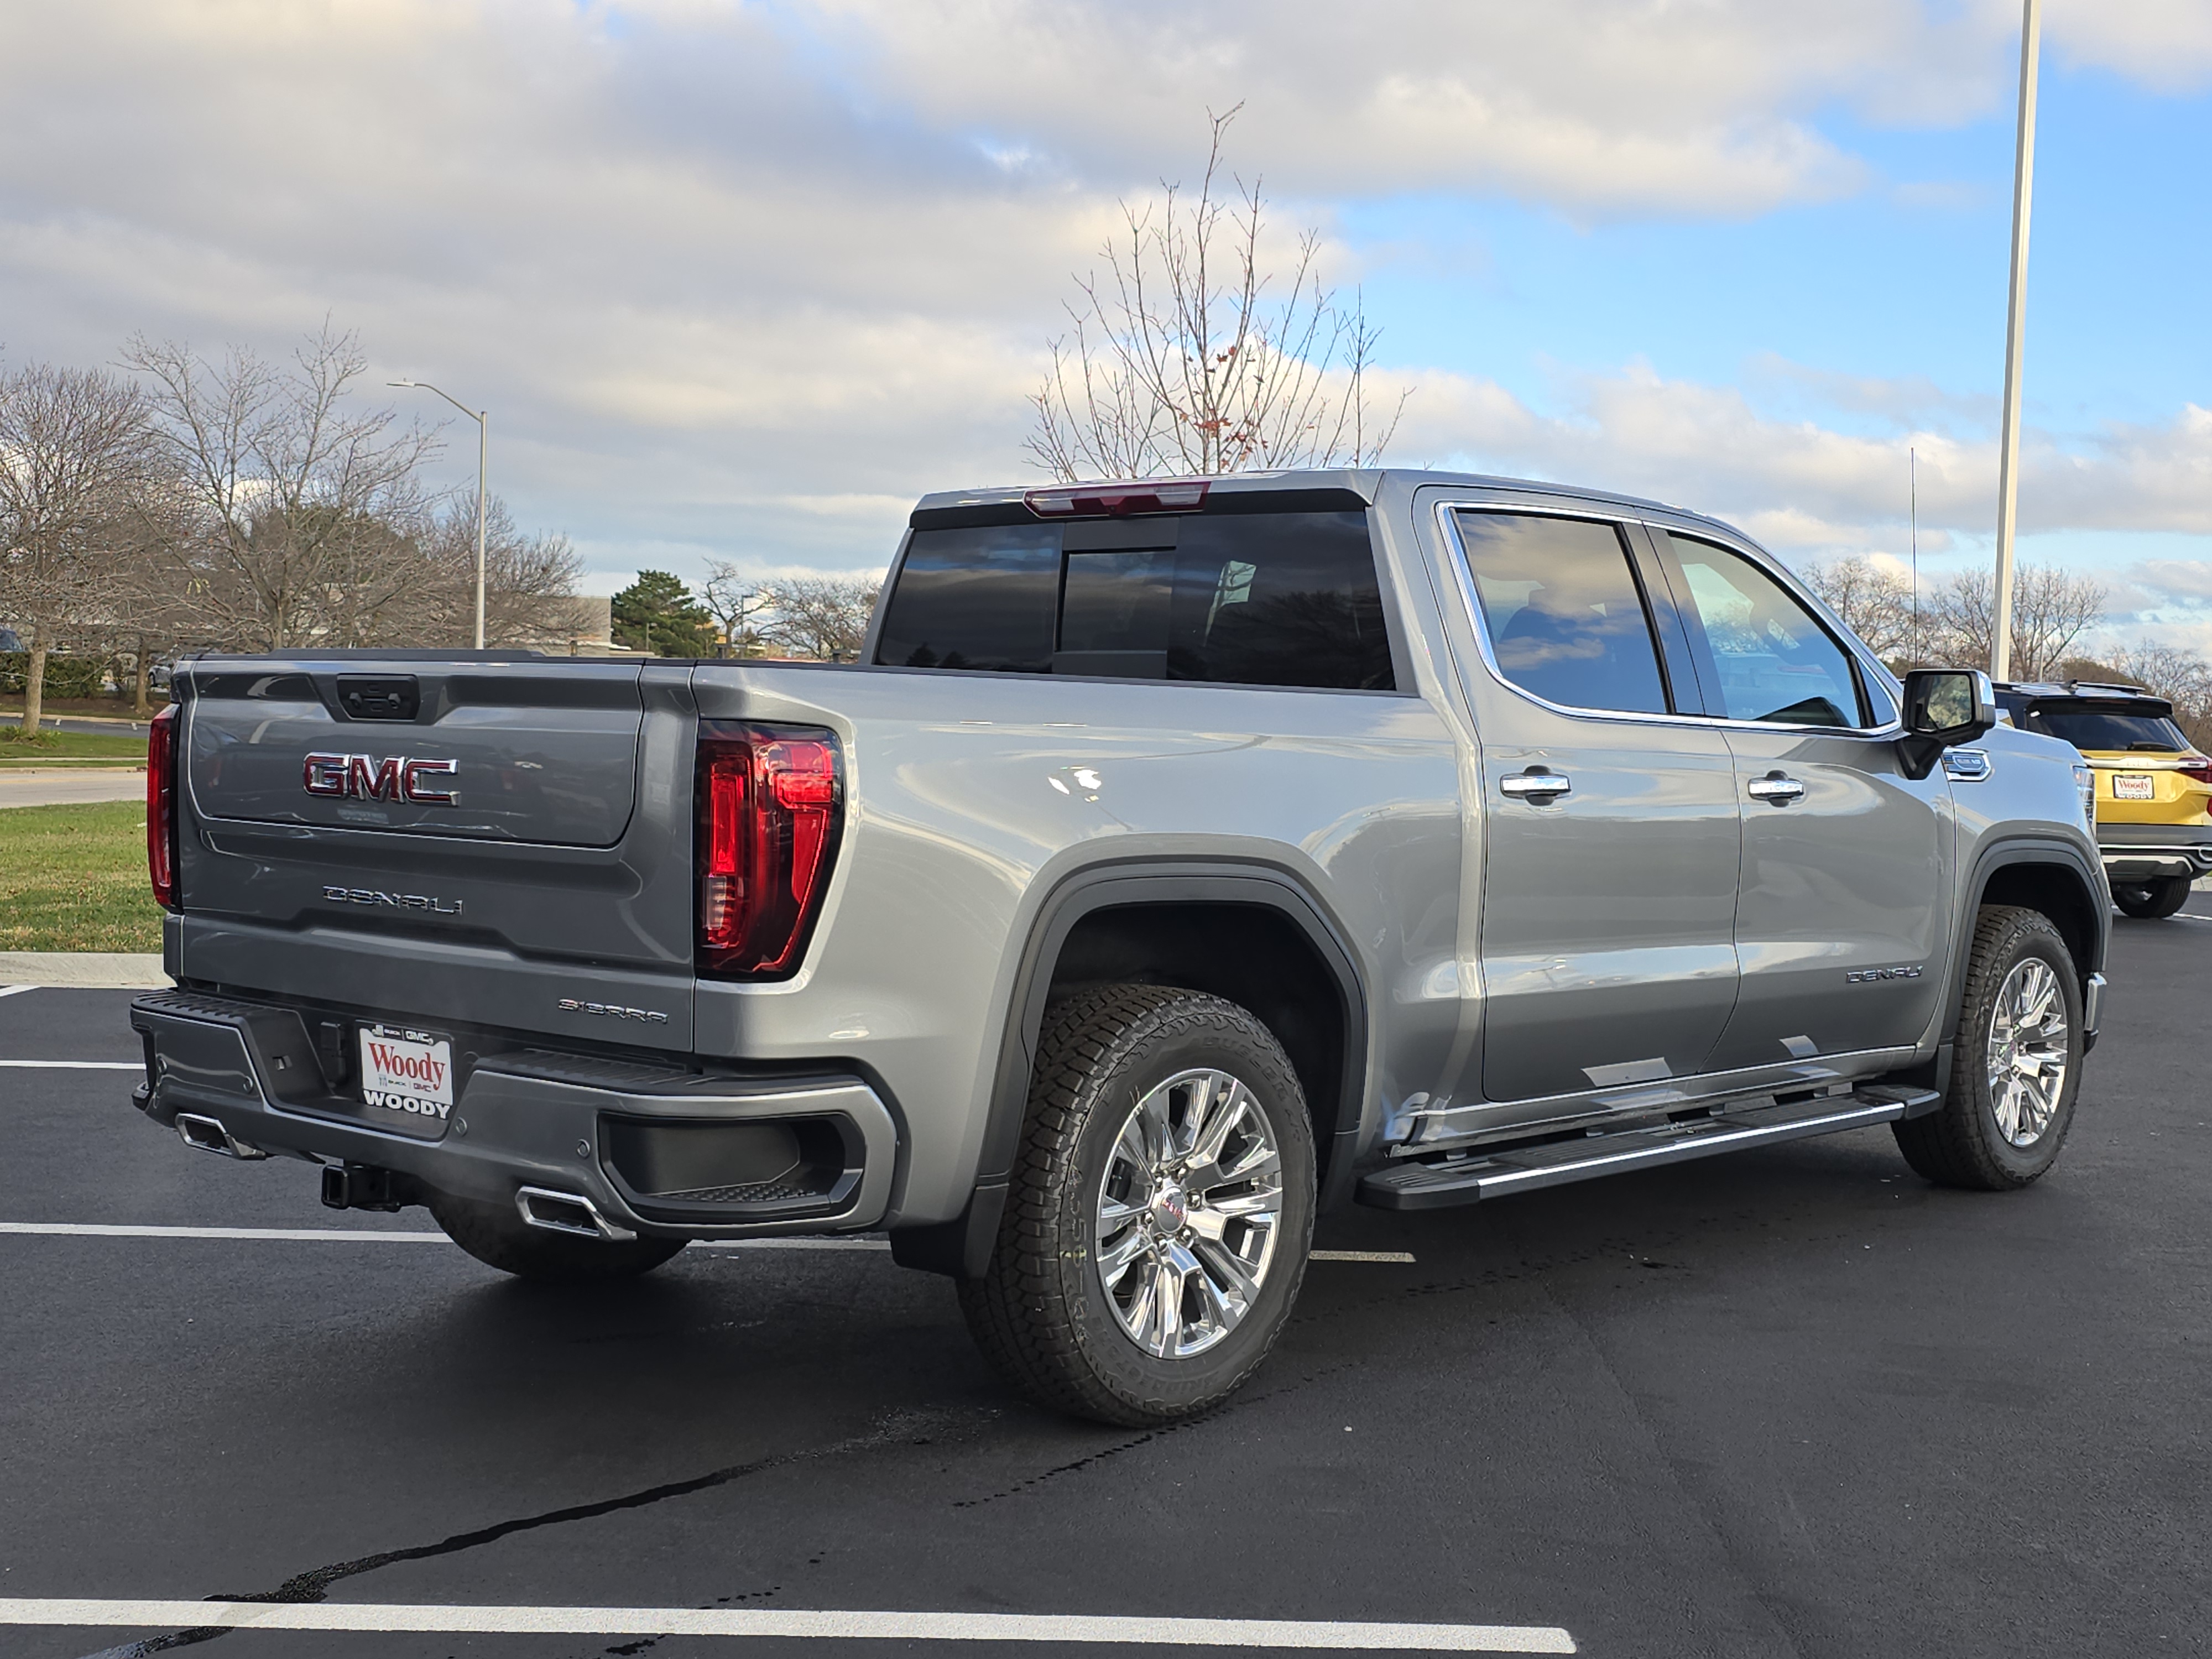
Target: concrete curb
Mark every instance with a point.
(110, 970)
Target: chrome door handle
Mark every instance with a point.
(1775, 789)
(1541, 787)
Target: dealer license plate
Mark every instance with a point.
(2134, 786)
(410, 1073)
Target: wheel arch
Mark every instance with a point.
(2049, 876)
(1289, 963)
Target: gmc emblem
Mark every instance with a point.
(369, 779)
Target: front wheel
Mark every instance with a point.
(2148, 901)
(2018, 1064)
(1159, 1210)
(499, 1237)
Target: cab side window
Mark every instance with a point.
(1764, 652)
(1566, 617)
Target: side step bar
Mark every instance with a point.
(1480, 1174)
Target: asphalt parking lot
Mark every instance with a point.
(1791, 1402)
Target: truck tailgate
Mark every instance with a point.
(418, 835)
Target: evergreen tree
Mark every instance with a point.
(657, 613)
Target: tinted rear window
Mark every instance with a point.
(1264, 599)
(2102, 728)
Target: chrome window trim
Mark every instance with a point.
(1448, 507)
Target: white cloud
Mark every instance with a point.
(1806, 489)
(745, 278)
(2165, 44)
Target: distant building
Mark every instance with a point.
(588, 629)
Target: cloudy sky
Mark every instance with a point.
(740, 280)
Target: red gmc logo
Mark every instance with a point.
(365, 777)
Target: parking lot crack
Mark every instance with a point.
(314, 1584)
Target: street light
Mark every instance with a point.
(483, 418)
(2023, 193)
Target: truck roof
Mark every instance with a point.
(1365, 482)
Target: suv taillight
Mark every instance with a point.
(770, 803)
(2198, 767)
(162, 807)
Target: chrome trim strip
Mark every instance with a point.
(1689, 1146)
(1448, 529)
(1436, 1128)
(2093, 1003)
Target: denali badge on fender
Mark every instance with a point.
(1867, 975)
(396, 778)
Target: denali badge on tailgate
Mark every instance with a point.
(430, 901)
(396, 778)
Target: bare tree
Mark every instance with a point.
(735, 599)
(295, 506)
(1873, 603)
(73, 455)
(1182, 362)
(824, 617)
(2051, 609)
(529, 582)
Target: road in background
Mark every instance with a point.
(1792, 1402)
(40, 786)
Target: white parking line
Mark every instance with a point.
(865, 1626)
(15, 990)
(75, 1065)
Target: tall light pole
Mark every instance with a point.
(2023, 192)
(483, 418)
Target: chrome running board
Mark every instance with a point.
(1469, 1177)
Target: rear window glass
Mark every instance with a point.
(1261, 599)
(2100, 728)
(1561, 604)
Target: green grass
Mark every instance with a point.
(18, 751)
(74, 878)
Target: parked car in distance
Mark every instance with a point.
(1182, 858)
(2154, 789)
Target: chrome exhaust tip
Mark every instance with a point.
(207, 1134)
(567, 1212)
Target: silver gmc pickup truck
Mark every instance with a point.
(1182, 858)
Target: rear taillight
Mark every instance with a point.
(2198, 767)
(162, 807)
(769, 800)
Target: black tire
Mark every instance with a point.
(1961, 1144)
(1041, 1313)
(499, 1237)
(2148, 900)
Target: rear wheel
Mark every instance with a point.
(1160, 1212)
(2018, 1063)
(499, 1237)
(2148, 901)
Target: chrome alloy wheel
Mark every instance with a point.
(1188, 1213)
(2027, 1056)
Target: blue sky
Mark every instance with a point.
(737, 281)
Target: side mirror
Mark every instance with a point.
(1943, 708)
